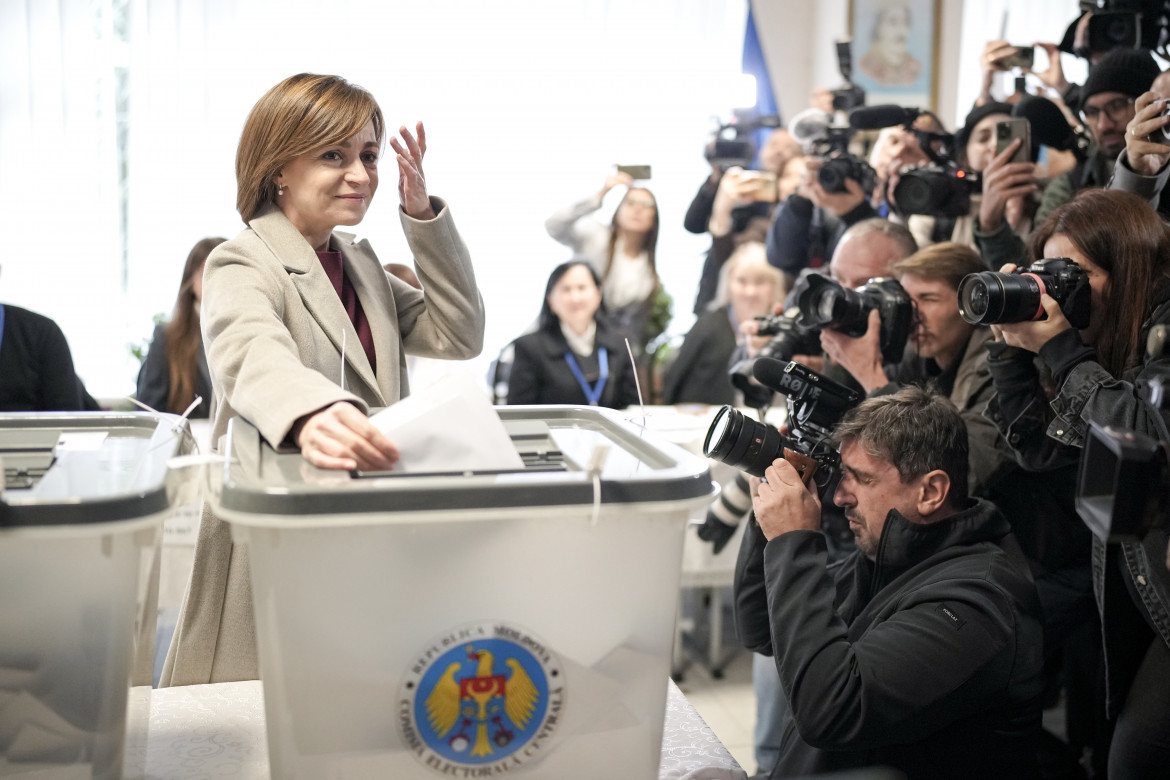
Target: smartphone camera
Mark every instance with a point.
(1023, 58)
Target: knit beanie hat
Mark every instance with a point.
(977, 115)
(1128, 71)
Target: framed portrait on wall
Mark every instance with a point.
(895, 50)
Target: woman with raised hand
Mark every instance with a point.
(305, 331)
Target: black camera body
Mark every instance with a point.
(937, 191)
(789, 338)
(825, 305)
(991, 297)
(1127, 24)
(815, 405)
(835, 170)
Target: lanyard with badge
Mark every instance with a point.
(592, 392)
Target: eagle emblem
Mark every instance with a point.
(483, 699)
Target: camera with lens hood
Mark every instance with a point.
(991, 297)
(815, 405)
(825, 305)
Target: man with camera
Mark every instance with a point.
(809, 225)
(920, 651)
(948, 351)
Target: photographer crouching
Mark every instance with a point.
(922, 650)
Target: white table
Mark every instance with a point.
(211, 731)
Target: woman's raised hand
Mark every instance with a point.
(412, 184)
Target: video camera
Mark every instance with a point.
(1123, 490)
(991, 297)
(815, 405)
(940, 189)
(733, 144)
(1126, 24)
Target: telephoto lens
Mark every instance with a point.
(741, 442)
(990, 297)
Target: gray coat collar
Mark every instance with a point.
(322, 301)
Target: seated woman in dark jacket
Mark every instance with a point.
(748, 287)
(175, 369)
(1124, 247)
(573, 357)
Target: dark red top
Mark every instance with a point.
(332, 263)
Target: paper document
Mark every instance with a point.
(450, 428)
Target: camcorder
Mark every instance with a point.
(823, 304)
(991, 297)
(1123, 489)
(1126, 24)
(733, 144)
(815, 405)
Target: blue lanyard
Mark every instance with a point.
(592, 392)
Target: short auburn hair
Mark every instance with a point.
(301, 113)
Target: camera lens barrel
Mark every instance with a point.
(990, 297)
(741, 442)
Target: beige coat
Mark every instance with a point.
(272, 327)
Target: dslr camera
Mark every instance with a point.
(1123, 490)
(1126, 24)
(991, 297)
(789, 338)
(825, 305)
(815, 405)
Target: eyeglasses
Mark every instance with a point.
(1114, 109)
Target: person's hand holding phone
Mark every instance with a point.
(1003, 181)
(616, 179)
(1147, 146)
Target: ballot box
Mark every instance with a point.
(491, 623)
(81, 514)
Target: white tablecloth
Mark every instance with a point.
(213, 731)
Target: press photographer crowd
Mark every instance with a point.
(964, 519)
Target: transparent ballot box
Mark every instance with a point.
(81, 514)
(476, 624)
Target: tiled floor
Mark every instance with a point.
(728, 705)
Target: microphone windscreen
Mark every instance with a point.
(770, 372)
(877, 117)
(809, 126)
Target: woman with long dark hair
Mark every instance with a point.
(573, 357)
(175, 369)
(1096, 374)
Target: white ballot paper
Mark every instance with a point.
(450, 427)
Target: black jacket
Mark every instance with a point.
(699, 373)
(541, 375)
(154, 377)
(1048, 434)
(36, 367)
(927, 660)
